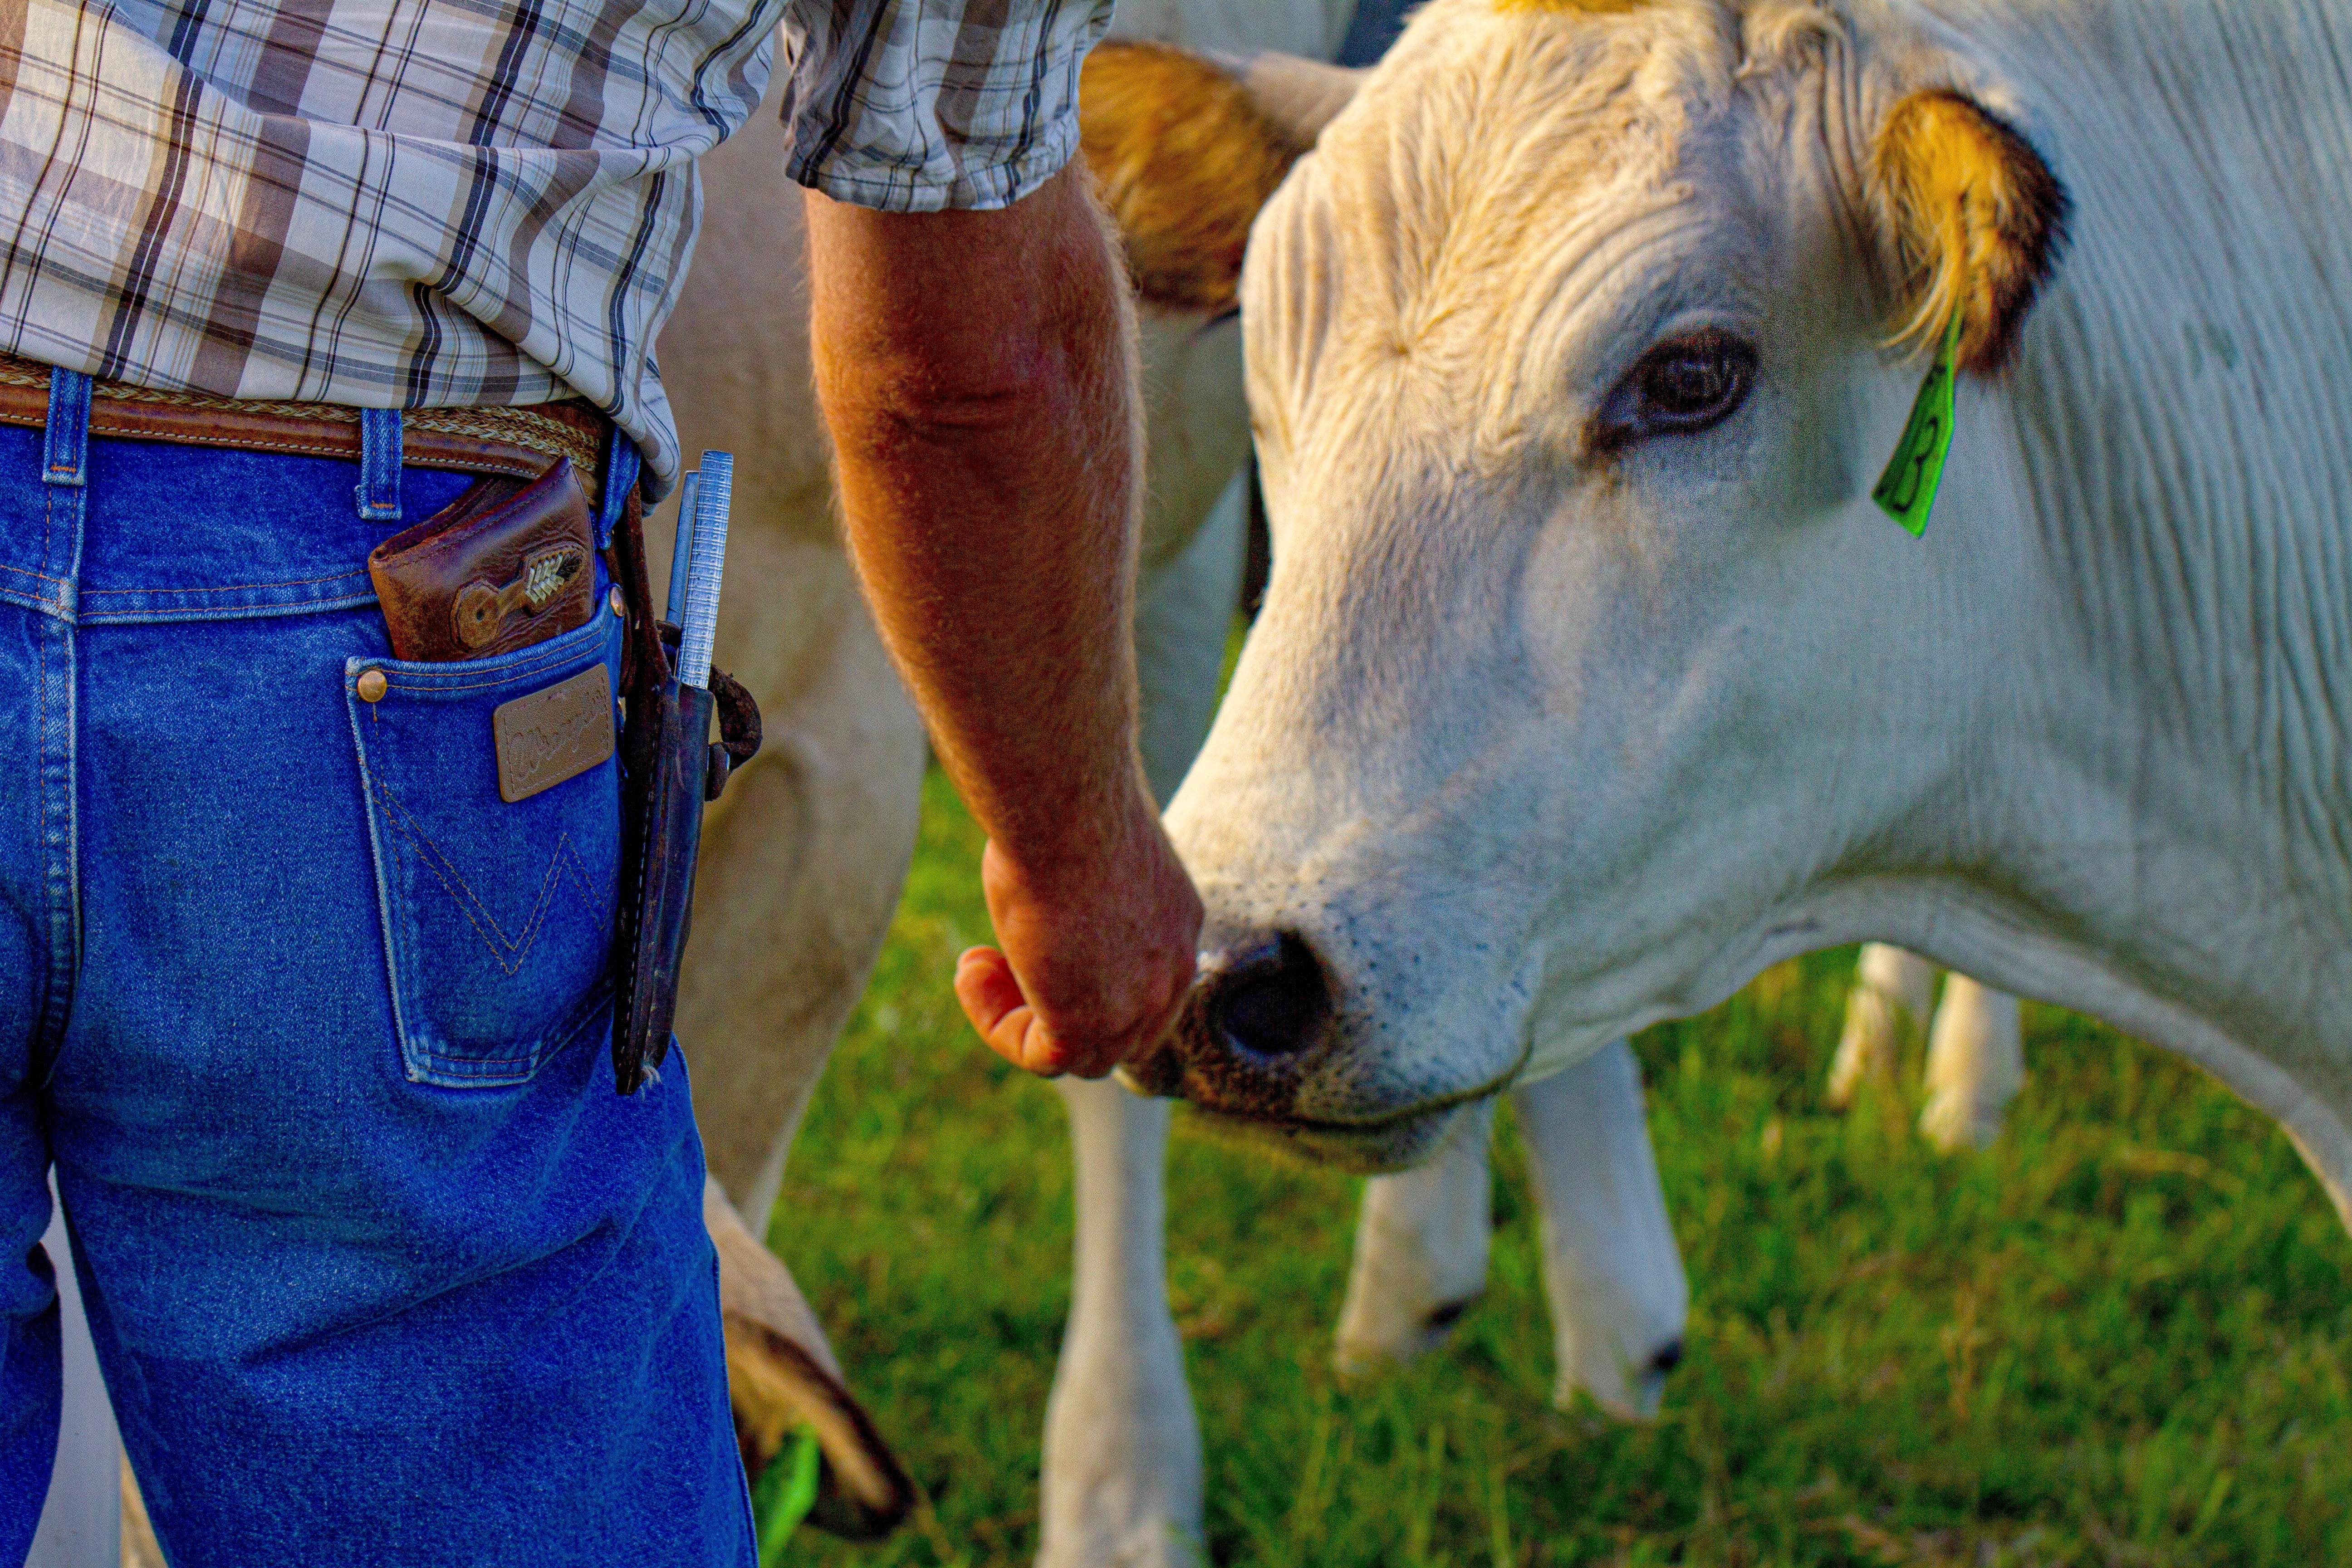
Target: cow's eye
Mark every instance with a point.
(1684, 384)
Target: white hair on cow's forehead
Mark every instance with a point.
(1502, 166)
(1773, 35)
(1786, 35)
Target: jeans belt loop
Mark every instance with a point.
(65, 450)
(379, 486)
(621, 460)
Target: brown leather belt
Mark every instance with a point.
(522, 441)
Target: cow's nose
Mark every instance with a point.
(1248, 1032)
(1271, 1001)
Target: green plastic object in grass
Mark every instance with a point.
(784, 1494)
(1906, 490)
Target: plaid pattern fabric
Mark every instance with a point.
(428, 202)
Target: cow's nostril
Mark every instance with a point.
(1668, 1356)
(1274, 1002)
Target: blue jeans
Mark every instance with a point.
(314, 1026)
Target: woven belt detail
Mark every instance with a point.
(491, 438)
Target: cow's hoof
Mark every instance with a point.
(1370, 1340)
(775, 1386)
(781, 1375)
(1627, 1394)
(1636, 1402)
(1147, 1543)
(1867, 1049)
(1954, 1121)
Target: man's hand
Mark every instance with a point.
(1097, 955)
(977, 371)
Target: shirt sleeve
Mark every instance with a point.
(923, 105)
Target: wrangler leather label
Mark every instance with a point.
(553, 735)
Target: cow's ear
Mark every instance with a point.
(1185, 150)
(1977, 218)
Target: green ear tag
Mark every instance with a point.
(1907, 488)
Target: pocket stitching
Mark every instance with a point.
(396, 833)
(431, 679)
(502, 679)
(564, 862)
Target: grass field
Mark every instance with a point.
(2123, 1336)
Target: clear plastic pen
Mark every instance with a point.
(707, 560)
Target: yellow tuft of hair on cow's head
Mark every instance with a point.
(1596, 8)
(1979, 220)
(1183, 161)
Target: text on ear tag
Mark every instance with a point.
(1906, 490)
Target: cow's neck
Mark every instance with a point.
(2181, 764)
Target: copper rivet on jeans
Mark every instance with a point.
(372, 686)
(615, 599)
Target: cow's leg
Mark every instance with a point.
(1420, 1251)
(1613, 1272)
(1611, 1269)
(1976, 1064)
(1122, 1465)
(1182, 616)
(1122, 1468)
(1893, 990)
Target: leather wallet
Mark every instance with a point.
(504, 565)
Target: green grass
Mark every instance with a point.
(2123, 1336)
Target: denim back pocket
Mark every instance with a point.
(498, 914)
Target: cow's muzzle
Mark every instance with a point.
(1258, 1018)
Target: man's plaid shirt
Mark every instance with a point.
(423, 203)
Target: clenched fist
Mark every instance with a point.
(1097, 951)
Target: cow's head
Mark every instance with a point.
(1590, 678)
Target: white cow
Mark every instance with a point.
(1976, 1052)
(1591, 680)
(804, 855)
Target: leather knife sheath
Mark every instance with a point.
(504, 565)
(666, 758)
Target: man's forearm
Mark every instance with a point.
(976, 370)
